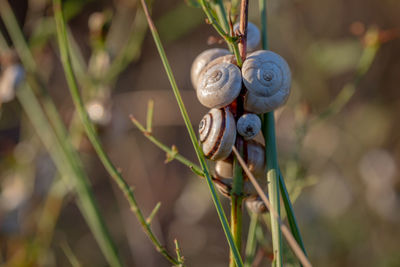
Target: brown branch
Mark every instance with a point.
(244, 13)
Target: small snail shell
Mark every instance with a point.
(10, 79)
(248, 125)
(202, 60)
(224, 168)
(219, 85)
(256, 205)
(253, 36)
(255, 158)
(267, 78)
(217, 133)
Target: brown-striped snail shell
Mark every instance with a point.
(220, 85)
(248, 125)
(253, 36)
(256, 205)
(217, 133)
(202, 60)
(267, 78)
(255, 158)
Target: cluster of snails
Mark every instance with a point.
(236, 97)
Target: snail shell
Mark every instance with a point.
(255, 157)
(256, 205)
(201, 61)
(10, 79)
(217, 133)
(248, 125)
(267, 78)
(220, 85)
(227, 59)
(253, 36)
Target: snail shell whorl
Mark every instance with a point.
(267, 77)
(248, 125)
(217, 133)
(201, 61)
(256, 205)
(220, 85)
(253, 36)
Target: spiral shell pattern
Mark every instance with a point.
(267, 77)
(220, 85)
(217, 132)
(202, 60)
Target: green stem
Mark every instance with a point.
(69, 169)
(220, 9)
(268, 128)
(236, 205)
(193, 138)
(68, 160)
(91, 132)
(229, 39)
(173, 154)
(131, 49)
(251, 243)
(290, 213)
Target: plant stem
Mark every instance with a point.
(289, 237)
(193, 138)
(268, 129)
(61, 151)
(237, 187)
(171, 153)
(290, 213)
(244, 10)
(229, 39)
(220, 8)
(91, 132)
(69, 169)
(251, 243)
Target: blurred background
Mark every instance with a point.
(338, 137)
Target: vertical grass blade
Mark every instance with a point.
(268, 129)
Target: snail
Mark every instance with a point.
(253, 36)
(248, 125)
(255, 158)
(10, 79)
(201, 61)
(99, 111)
(267, 77)
(217, 133)
(220, 85)
(256, 205)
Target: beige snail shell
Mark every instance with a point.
(255, 157)
(220, 85)
(202, 60)
(217, 133)
(256, 205)
(248, 125)
(267, 77)
(253, 36)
